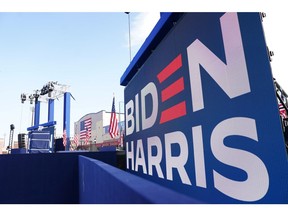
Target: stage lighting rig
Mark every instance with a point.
(23, 97)
(51, 90)
(36, 94)
(44, 90)
(31, 97)
(34, 97)
(48, 88)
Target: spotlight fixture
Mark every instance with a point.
(31, 97)
(23, 98)
(12, 127)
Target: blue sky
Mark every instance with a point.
(86, 47)
(87, 51)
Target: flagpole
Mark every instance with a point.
(119, 115)
(119, 123)
(114, 110)
(129, 34)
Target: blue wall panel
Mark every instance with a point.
(43, 178)
(100, 183)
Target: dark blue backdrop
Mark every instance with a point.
(44, 178)
(259, 104)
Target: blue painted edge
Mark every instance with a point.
(47, 124)
(66, 118)
(51, 110)
(163, 26)
(37, 113)
(102, 183)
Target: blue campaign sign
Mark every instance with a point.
(201, 112)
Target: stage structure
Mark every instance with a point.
(41, 136)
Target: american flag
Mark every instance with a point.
(87, 137)
(282, 110)
(76, 139)
(85, 126)
(64, 137)
(113, 129)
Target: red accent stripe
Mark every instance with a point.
(173, 112)
(173, 89)
(173, 66)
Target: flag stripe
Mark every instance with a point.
(85, 125)
(88, 135)
(76, 139)
(282, 110)
(64, 137)
(113, 129)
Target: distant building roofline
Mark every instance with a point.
(96, 113)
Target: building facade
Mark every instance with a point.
(96, 125)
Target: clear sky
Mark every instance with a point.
(86, 47)
(87, 51)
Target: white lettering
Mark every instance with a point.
(250, 189)
(151, 89)
(130, 155)
(129, 117)
(199, 156)
(177, 162)
(137, 111)
(233, 77)
(154, 160)
(140, 158)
